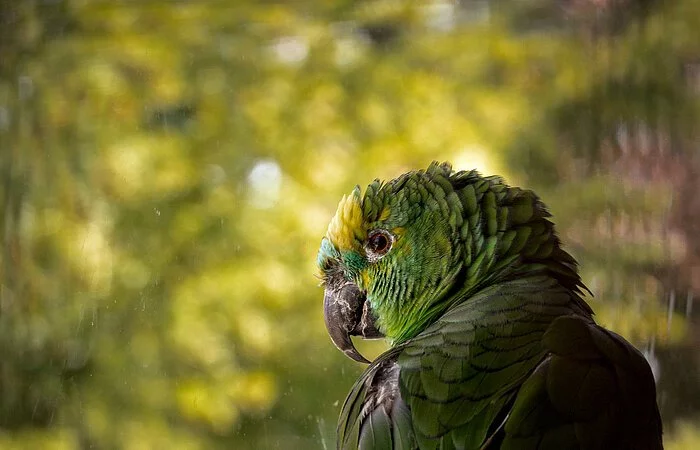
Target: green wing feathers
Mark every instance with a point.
(462, 374)
(593, 391)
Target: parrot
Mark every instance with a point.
(491, 343)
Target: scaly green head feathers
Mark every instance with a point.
(428, 239)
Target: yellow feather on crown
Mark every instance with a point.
(347, 225)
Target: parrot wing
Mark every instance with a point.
(460, 376)
(593, 391)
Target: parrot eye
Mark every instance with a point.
(379, 242)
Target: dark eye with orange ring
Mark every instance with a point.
(379, 242)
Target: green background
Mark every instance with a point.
(168, 168)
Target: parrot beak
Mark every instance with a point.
(346, 314)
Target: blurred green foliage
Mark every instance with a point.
(168, 169)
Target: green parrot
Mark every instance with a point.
(492, 344)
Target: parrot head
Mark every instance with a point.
(398, 256)
(387, 257)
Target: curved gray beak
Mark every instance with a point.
(346, 314)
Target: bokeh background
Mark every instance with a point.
(167, 169)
